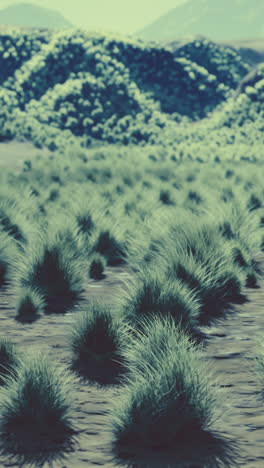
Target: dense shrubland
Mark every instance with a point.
(17, 48)
(137, 183)
(224, 63)
(84, 88)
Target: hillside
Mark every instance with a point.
(88, 89)
(250, 50)
(32, 16)
(225, 20)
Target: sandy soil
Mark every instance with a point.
(230, 346)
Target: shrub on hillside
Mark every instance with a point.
(223, 62)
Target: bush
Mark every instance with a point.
(168, 395)
(30, 305)
(9, 360)
(16, 47)
(35, 408)
(97, 267)
(96, 341)
(223, 62)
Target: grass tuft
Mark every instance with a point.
(35, 407)
(8, 253)
(96, 340)
(97, 267)
(113, 250)
(9, 359)
(153, 293)
(54, 267)
(30, 306)
(168, 395)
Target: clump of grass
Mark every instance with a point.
(97, 267)
(166, 198)
(85, 222)
(9, 359)
(194, 237)
(250, 267)
(96, 340)
(30, 306)
(13, 220)
(8, 252)
(168, 395)
(216, 282)
(154, 293)
(254, 202)
(54, 266)
(226, 230)
(35, 407)
(112, 249)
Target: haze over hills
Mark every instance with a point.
(219, 20)
(32, 16)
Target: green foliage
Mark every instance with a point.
(30, 305)
(9, 360)
(17, 47)
(8, 253)
(154, 293)
(168, 395)
(97, 267)
(86, 87)
(54, 267)
(223, 62)
(96, 341)
(35, 407)
(216, 282)
(113, 249)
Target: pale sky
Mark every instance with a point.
(124, 16)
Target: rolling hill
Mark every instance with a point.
(225, 20)
(32, 16)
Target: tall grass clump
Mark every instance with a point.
(30, 305)
(111, 248)
(152, 292)
(54, 266)
(216, 281)
(8, 253)
(168, 395)
(13, 220)
(9, 359)
(36, 408)
(96, 341)
(97, 267)
(195, 237)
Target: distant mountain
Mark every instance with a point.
(217, 19)
(32, 16)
